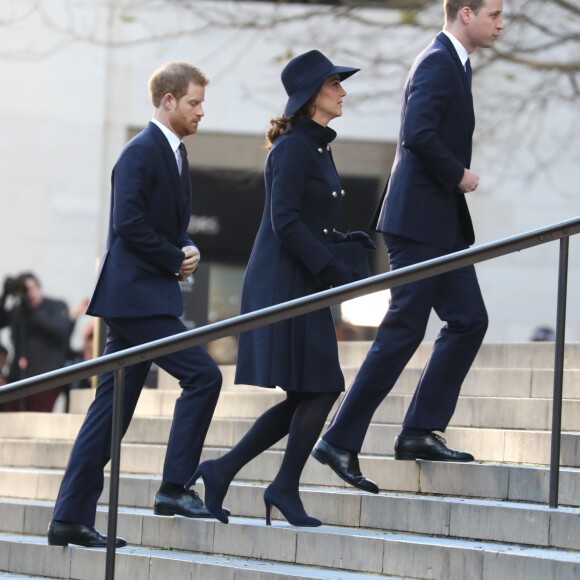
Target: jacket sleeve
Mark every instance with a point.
(289, 164)
(429, 91)
(133, 182)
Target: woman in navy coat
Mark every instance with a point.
(290, 259)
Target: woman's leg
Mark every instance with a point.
(267, 430)
(305, 428)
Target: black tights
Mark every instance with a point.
(302, 417)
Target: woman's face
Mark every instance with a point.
(328, 102)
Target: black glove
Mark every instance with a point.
(338, 237)
(337, 273)
(361, 237)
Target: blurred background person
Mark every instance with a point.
(543, 334)
(40, 330)
(3, 361)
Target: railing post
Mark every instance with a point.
(116, 436)
(558, 372)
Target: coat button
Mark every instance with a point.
(334, 194)
(325, 231)
(342, 193)
(320, 150)
(328, 147)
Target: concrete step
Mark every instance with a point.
(367, 551)
(494, 412)
(468, 518)
(37, 467)
(498, 445)
(480, 382)
(8, 575)
(525, 355)
(32, 554)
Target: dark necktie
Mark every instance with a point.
(184, 172)
(468, 72)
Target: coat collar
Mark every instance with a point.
(315, 132)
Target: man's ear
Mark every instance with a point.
(167, 101)
(465, 14)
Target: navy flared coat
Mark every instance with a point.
(303, 197)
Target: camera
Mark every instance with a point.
(15, 286)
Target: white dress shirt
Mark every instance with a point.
(174, 142)
(459, 48)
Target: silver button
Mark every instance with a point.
(325, 231)
(328, 147)
(342, 193)
(320, 150)
(334, 194)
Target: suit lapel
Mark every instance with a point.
(169, 159)
(444, 40)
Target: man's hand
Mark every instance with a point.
(79, 309)
(469, 182)
(190, 261)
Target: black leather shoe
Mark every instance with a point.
(185, 503)
(63, 534)
(344, 463)
(431, 447)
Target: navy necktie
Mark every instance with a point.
(468, 72)
(184, 172)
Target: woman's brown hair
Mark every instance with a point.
(282, 124)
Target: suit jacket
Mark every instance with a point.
(147, 229)
(421, 201)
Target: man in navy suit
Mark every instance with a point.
(424, 215)
(137, 294)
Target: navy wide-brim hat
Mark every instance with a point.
(304, 75)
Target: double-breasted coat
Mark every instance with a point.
(303, 198)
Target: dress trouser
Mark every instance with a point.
(200, 380)
(456, 298)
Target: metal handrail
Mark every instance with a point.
(119, 360)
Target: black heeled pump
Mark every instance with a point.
(297, 518)
(215, 490)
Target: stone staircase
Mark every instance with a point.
(480, 521)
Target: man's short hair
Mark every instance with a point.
(174, 77)
(29, 276)
(452, 7)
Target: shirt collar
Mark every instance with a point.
(173, 139)
(459, 48)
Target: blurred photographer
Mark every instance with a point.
(3, 361)
(41, 329)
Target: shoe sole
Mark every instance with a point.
(403, 456)
(162, 512)
(63, 544)
(320, 457)
(170, 513)
(57, 543)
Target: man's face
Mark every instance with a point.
(33, 293)
(185, 114)
(485, 26)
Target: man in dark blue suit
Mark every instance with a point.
(424, 215)
(137, 294)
